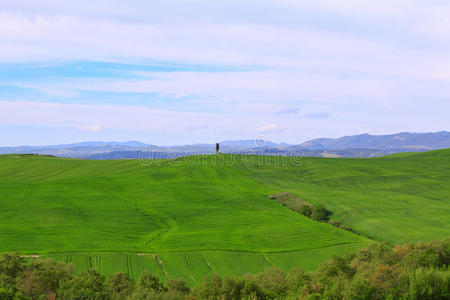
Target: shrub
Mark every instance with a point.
(297, 281)
(335, 266)
(150, 282)
(11, 266)
(177, 285)
(88, 285)
(121, 285)
(320, 213)
(273, 281)
(43, 278)
(429, 284)
(210, 289)
(306, 210)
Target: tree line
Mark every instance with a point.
(381, 271)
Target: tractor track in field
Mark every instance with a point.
(160, 264)
(198, 250)
(257, 252)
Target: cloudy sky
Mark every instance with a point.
(177, 72)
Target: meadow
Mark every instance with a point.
(192, 216)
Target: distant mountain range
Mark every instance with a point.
(407, 140)
(363, 145)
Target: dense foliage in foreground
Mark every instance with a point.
(417, 271)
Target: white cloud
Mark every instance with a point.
(61, 34)
(267, 128)
(381, 64)
(199, 127)
(92, 128)
(60, 93)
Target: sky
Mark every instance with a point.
(180, 72)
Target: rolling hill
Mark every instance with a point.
(200, 214)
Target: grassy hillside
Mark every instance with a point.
(195, 215)
(398, 198)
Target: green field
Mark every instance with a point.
(196, 215)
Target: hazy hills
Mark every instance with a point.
(363, 145)
(407, 140)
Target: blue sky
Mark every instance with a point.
(177, 72)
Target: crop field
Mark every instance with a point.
(192, 216)
(193, 266)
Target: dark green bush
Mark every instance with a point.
(90, 285)
(306, 210)
(429, 283)
(320, 213)
(121, 286)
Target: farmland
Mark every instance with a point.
(192, 216)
